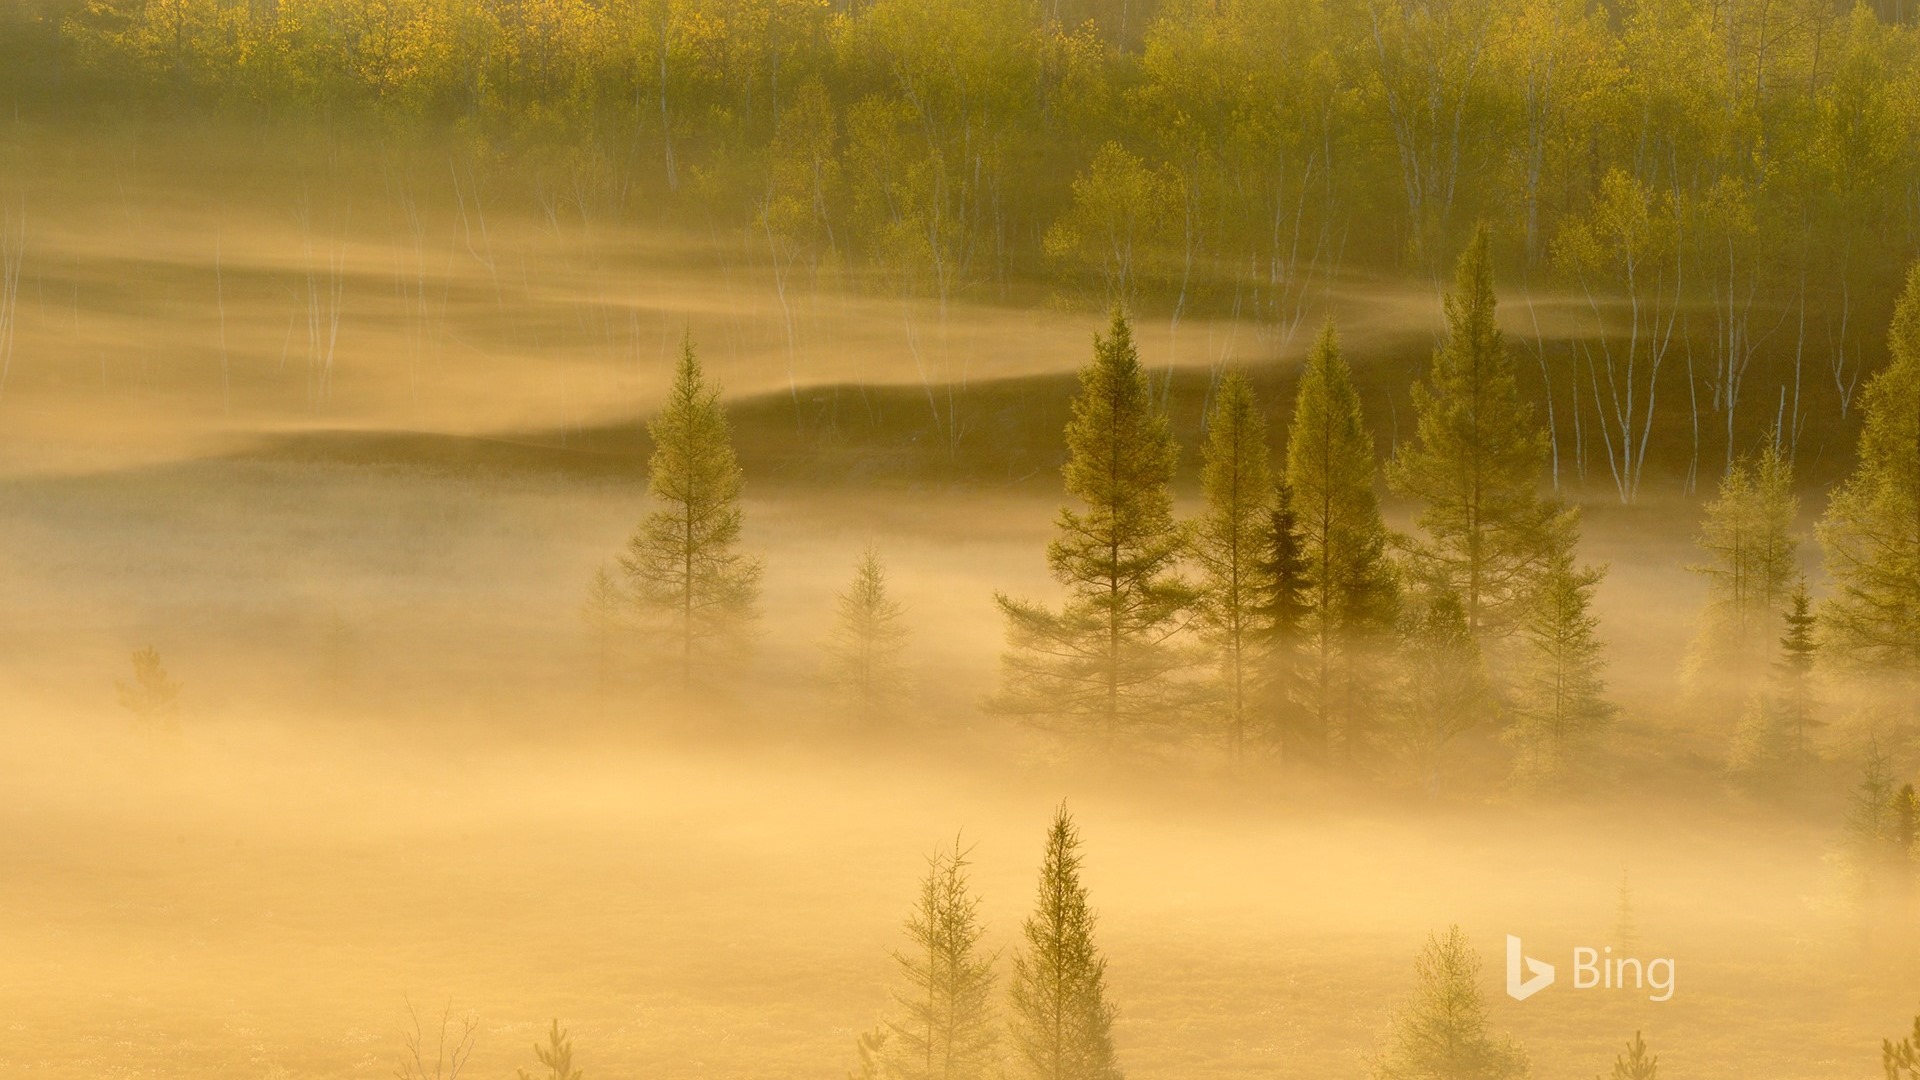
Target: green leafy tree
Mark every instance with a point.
(1119, 227)
(684, 565)
(945, 1027)
(865, 654)
(1560, 692)
(1751, 567)
(1230, 541)
(1062, 1021)
(1636, 1063)
(1443, 1032)
(556, 1057)
(1106, 657)
(1475, 465)
(1350, 591)
(1871, 532)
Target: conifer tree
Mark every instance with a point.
(1105, 658)
(1901, 1059)
(153, 697)
(1281, 616)
(1793, 671)
(865, 652)
(1443, 691)
(1230, 541)
(556, 1057)
(604, 612)
(944, 1030)
(1443, 1033)
(687, 574)
(1770, 743)
(1635, 1063)
(1626, 928)
(1882, 817)
(1475, 465)
(1871, 532)
(1062, 1021)
(1751, 567)
(1560, 696)
(1351, 593)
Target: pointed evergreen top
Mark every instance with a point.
(1470, 306)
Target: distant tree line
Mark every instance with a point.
(1287, 620)
(1727, 189)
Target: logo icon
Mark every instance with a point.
(1540, 976)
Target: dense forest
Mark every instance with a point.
(1728, 188)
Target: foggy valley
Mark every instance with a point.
(488, 592)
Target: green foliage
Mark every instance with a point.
(944, 1030)
(1475, 465)
(1280, 614)
(864, 653)
(1635, 1064)
(1793, 671)
(1105, 658)
(1560, 691)
(1349, 589)
(1442, 1033)
(1230, 540)
(152, 696)
(1871, 532)
(689, 581)
(556, 1057)
(1062, 1021)
(1751, 568)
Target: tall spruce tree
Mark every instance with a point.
(1560, 691)
(865, 651)
(1750, 569)
(688, 577)
(1282, 617)
(945, 1024)
(1871, 532)
(1475, 465)
(1443, 1032)
(1062, 1021)
(1350, 589)
(1231, 543)
(1106, 657)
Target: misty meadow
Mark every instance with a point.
(962, 539)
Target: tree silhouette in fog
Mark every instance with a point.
(1106, 657)
(1062, 1021)
(151, 696)
(865, 663)
(691, 584)
(1442, 1033)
